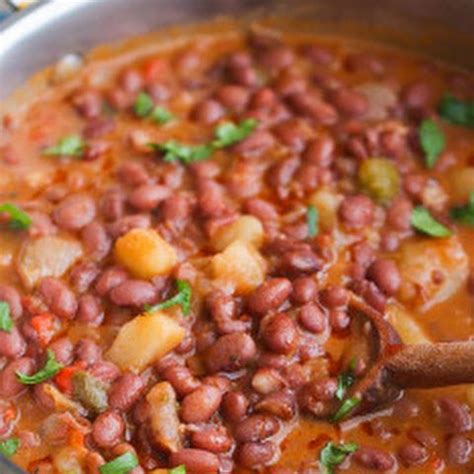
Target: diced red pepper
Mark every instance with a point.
(155, 69)
(45, 325)
(63, 378)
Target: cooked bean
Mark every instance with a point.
(385, 274)
(270, 295)
(131, 80)
(252, 455)
(356, 211)
(147, 196)
(335, 297)
(412, 454)
(63, 349)
(88, 103)
(349, 102)
(112, 204)
(231, 352)
(211, 198)
(88, 351)
(104, 371)
(317, 397)
(201, 404)
(83, 275)
(459, 450)
(74, 212)
(320, 151)
(96, 241)
(109, 279)
(195, 461)
(417, 95)
(256, 428)
(301, 261)
(90, 311)
(255, 144)
(125, 392)
(318, 54)
(12, 344)
(364, 62)
(267, 380)
(279, 333)
(180, 377)
(454, 415)
(10, 295)
(133, 293)
(108, 429)
(305, 290)
(58, 297)
(374, 459)
(208, 111)
(234, 406)
(313, 107)
(234, 97)
(312, 317)
(214, 440)
(276, 57)
(293, 133)
(399, 214)
(280, 404)
(9, 384)
(124, 224)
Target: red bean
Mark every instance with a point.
(200, 405)
(88, 351)
(312, 318)
(74, 212)
(252, 455)
(124, 224)
(12, 344)
(320, 151)
(96, 241)
(280, 404)
(98, 127)
(215, 440)
(417, 95)
(125, 392)
(276, 57)
(105, 371)
(109, 279)
(133, 173)
(279, 333)
(208, 111)
(318, 54)
(256, 428)
(301, 261)
(112, 204)
(305, 290)
(231, 352)
(234, 97)
(349, 102)
(131, 80)
(90, 310)
(459, 450)
(356, 211)
(454, 415)
(412, 454)
(63, 349)
(423, 437)
(364, 62)
(10, 295)
(133, 293)
(317, 397)
(147, 196)
(267, 380)
(58, 297)
(292, 133)
(261, 209)
(196, 461)
(290, 83)
(180, 377)
(399, 214)
(88, 103)
(270, 295)
(257, 143)
(234, 406)
(83, 275)
(9, 384)
(385, 274)
(374, 459)
(334, 297)
(314, 108)
(108, 429)
(211, 198)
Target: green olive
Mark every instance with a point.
(379, 178)
(90, 391)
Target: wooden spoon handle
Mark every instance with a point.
(432, 365)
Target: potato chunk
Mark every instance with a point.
(144, 340)
(49, 256)
(145, 253)
(164, 417)
(461, 183)
(421, 265)
(327, 202)
(407, 327)
(240, 265)
(245, 228)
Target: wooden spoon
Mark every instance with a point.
(394, 366)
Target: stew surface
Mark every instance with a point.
(182, 232)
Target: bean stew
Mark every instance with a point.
(182, 233)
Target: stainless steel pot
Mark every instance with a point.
(40, 36)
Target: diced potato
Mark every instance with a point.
(421, 261)
(461, 183)
(145, 253)
(144, 340)
(470, 395)
(246, 228)
(407, 327)
(240, 265)
(381, 98)
(327, 203)
(49, 256)
(164, 416)
(70, 460)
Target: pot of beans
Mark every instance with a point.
(237, 237)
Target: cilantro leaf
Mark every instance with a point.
(312, 220)
(143, 105)
(6, 322)
(9, 447)
(456, 111)
(178, 470)
(50, 369)
(72, 145)
(229, 133)
(120, 465)
(182, 298)
(334, 454)
(432, 141)
(423, 221)
(344, 381)
(465, 214)
(346, 407)
(161, 115)
(18, 219)
(175, 151)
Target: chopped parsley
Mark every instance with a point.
(72, 145)
(120, 465)
(9, 447)
(50, 369)
(346, 407)
(312, 220)
(144, 107)
(423, 221)
(432, 141)
(181, 298)
(334, 454)
(457, 111)
(6, 322)
(465, 214)
(229, 133)
(19, 220)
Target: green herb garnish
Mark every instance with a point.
(161, 115)
(432, 141)
(465, 214)
(346, 407)
(456, 111)
(9, 447)
(229, 133)
(181, 298)
(334, 454)
(312, 220)
(18, 219)
(143, 105)
(178, 470)
(6, 322)
(423, 221)
(344, 381)
(72, 145)
(50, 369)
(121, 465)
(186, 154)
